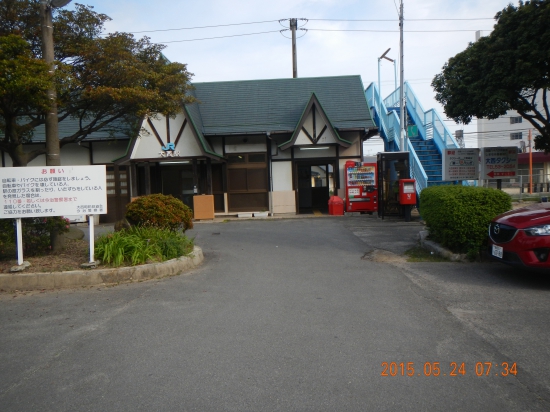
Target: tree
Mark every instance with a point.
(107, 82)
(508, 70)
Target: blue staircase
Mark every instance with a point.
(429, 157)
(426, 148)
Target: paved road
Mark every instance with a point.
(289, 315)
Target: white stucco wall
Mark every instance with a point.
(73, 154)
(106, 152)
(342, 174)
(277, 153)
(147, 146)
(354, 149)
(282, 176)
(327, 137)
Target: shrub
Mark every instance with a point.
(161, 211)
(458, 216)
(37, 233)
(139, 245)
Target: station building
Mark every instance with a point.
(259, 145)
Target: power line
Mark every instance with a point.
(386, 20)
(222, 37)
(205, 27)
(396, 31)
(327, 30)
(279, 20)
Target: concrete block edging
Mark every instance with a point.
(438, 249)
(105, 276)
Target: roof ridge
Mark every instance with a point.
(280, 78)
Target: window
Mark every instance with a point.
(516, 119)
(516, 136)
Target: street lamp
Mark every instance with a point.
(379, 85)
(52, 137)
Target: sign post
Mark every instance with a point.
(460, 164)
(498, 163)
(52, 191)
(19, 235)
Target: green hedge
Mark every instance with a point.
(161, 211)
(458, 216)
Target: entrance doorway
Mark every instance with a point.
(177, 180)
(315, 183)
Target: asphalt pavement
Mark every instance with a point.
(319, 314)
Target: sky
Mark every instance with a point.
(325, 49)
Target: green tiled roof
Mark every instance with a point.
(260, 106)
(70, 125)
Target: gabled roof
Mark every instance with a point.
(277, 105)
(118, 129)
(313, 104)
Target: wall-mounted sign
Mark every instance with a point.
(412, 130)
(169, 151)
(460, 164)
(499, 162)
(52, 191)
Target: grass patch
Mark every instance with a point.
(139, 245)
(419, 254)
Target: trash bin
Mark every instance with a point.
(335, 206)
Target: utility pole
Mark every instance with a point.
(401, 91)
(530, 163)
(293, 28)
(52, 137)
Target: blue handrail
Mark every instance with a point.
(417, 171)
(389, 125)
(443, 138)
(389, 121)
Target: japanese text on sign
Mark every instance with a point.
(49, 191)
(499, 162)
(460, 164)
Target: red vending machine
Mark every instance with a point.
(361, 189)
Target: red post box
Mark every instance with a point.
(407, 191)
(335, 206)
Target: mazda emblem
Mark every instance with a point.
(496, 229)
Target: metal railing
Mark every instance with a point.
(417, 171)
(429, 123)
(518, 188)
(389, 122)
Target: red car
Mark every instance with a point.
(521, 237)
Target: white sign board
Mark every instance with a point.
(460, 164)
(52, 191)
(499, 162)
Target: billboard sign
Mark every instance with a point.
(52, 191)
(460, 164)
(499, 162)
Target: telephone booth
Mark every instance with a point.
(361, 191)
(392, 167)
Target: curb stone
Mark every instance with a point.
(93, 277)
(440, 250)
